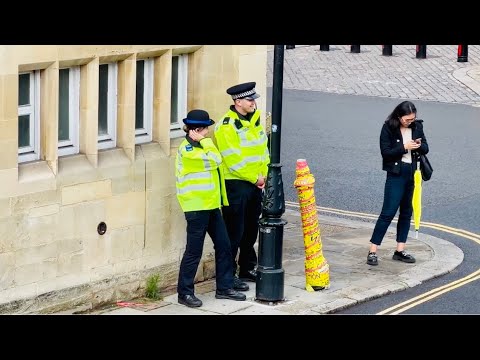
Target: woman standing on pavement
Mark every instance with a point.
(401, 138)
(201, 193)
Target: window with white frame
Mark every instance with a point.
(68, 110)
(29, 116)
(179, 94)
(107, 106)
(144, 101)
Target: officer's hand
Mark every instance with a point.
(195, 135)
(260, 182)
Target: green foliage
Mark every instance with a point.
(151, 288)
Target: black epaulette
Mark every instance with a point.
(226, 121)
(238, 124)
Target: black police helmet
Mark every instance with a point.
(198, 118)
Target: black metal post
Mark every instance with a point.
(290, 47)
(324, 47)
(355, 49)
(270, 274)
(421, 52)
(462, 53)
(387, 50)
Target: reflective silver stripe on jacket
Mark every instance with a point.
(194, 176)
(266, 154)
(230, 152)
(194, 187)
(245, 142)
(216, 158)
(247, 160)
(180, 162)
(207, 161)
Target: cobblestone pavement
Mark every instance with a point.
(370, 73)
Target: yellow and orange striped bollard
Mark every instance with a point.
(317, 271)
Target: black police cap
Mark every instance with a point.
(198, 118)
(243, 91)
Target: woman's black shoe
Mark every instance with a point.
(372, 259)
(403, 256)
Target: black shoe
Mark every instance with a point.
(250, 275)
(239, 284)
(403, 256)
(189, 300)
(372, 259)
(230, 294)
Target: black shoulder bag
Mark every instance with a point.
(425, 167)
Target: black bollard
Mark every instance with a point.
(355, 49)
(387, 50)
(421, 52)
(462, 53)
(324, 47)
(289, 47)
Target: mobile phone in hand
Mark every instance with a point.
(418, 141)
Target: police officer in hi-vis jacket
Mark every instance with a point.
(242, 141)
(201, 193)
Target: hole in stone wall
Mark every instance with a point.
(102, 228)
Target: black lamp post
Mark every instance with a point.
(270, 274)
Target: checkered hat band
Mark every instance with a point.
(244, 94)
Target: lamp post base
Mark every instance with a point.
(270, 275)
(270, 285)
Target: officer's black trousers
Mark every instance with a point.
(241, 218)
(198, 224)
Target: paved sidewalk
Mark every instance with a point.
(345, 247)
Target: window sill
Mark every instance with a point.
(34, 171)
(74, 164)
(112, 158)
(35, 177)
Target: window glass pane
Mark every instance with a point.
(140, 95)
(63, 105)
(23, 131)
(174, 99)
(103, 100)
(24, 89)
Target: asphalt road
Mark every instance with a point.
(339, 137)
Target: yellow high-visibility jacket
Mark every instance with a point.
(243, 145)
(199, 178)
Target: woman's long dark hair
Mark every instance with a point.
(402, 109)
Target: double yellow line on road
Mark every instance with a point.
(397, 309)
(429, 295)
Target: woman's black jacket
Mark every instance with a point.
(391, 145)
